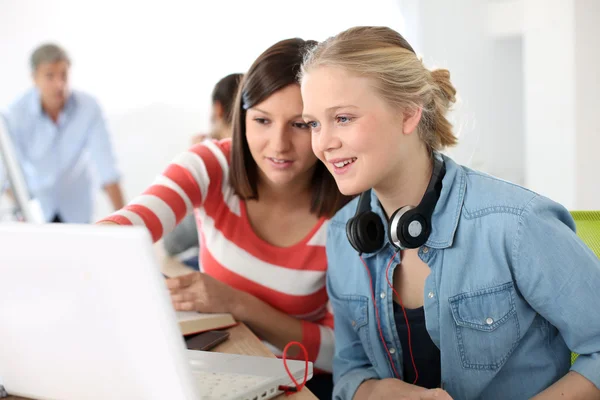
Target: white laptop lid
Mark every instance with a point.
(82, 317)
(10, 167)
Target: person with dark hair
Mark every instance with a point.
(262, 202)
(62, 142)
(183, 241)
(223, 97)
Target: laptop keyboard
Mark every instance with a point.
(225, 385)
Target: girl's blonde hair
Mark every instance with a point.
(383, 55)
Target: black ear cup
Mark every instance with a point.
(366, 232)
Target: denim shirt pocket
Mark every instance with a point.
(487, 327)
(358, 307)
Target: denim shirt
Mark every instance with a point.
(512, 290)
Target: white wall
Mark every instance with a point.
(507, 149)
(152, 64)
(550, 98)
(486, 69)
(562, 60)
(587, 86)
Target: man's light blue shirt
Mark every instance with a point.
(64, 161)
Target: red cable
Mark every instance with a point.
(379, 323)
(412, 358)
(291, 389)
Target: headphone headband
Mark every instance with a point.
(364, 202)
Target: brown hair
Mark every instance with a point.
(383, 55)
(273, 70)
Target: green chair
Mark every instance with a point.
(588, 230)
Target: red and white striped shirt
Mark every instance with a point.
(290, 279)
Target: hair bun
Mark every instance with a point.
(441, 77)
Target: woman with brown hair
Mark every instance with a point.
(262, 202)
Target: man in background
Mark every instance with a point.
(184, 241)
(61, 142)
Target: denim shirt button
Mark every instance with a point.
(382, 295)
(489, 320)
(392, 350)
(425, 249)
(431, 295)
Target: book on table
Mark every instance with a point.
(191, 322)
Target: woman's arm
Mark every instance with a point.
(183, 186)
(317, 338)
(203, 293)
(572, 386)
(559, 276)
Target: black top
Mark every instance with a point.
(425, 352)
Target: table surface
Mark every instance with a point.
(241, 341)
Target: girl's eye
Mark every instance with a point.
(342, 119)
(300, 125)
(262, 121)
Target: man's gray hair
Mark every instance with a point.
(48, 53)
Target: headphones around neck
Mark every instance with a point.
(409, 227)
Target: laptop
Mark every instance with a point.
(85, 314)
(11, 175)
